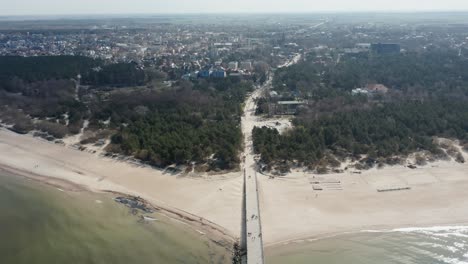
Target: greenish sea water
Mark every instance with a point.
(429, 245)
(41, 224)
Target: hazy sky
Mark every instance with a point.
(52, 7)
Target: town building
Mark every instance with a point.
(371, 90)
(246, 65)
(220, 73)
(377, 88)
(233, 65)
(288, 107)
(381, 48)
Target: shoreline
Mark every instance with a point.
(210, 230)
(188, 198)
(61, 184)
(365, 229)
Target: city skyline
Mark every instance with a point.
(89, 7)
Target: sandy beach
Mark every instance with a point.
(291, 209)
(212, 203)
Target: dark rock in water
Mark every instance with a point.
(134, 203)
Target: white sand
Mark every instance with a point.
(280, 123)
(292, 210)
(75, 139)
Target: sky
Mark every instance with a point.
(74, 7)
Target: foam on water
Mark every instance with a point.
(409, 245)
(449, 241)
(431, 229)
(449, 260)
(439, 231)
(460, 245)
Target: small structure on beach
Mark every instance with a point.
(317, 187)
(394, 189)
(328, 184)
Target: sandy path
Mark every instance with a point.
(217, 199)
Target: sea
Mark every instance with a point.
(44, 224)
(418, 245)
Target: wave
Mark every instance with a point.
(449, 260)
(433, 229)
(419, 229)
(444, 244)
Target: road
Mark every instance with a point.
(293, 61)
(318, 25)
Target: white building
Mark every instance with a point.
(358, 91)
(246, 65)
(233, 65)
(363, 47)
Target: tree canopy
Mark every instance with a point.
(428, 98)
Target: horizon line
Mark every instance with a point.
(377, 11)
